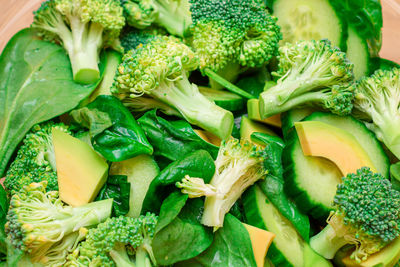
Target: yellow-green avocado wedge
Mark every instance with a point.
(81, 171)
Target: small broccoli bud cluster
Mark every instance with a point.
(367, 202)
(139, 13)
(35, 161)
(233, 31)
(130, 233)
(339, 100)
(143, 70)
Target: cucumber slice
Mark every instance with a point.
(309, 20)
(290, 117)
(141, 170)
(312, 181)
(224, 99)
(358, 53)
(287, 248)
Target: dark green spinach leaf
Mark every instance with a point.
(231, 246)
(173, 139)
(36, 85)
(196, 164)
(180, 236)
(125, 139)
(273, 184)
(118, 188)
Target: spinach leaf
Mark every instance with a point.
(36, 85)
(173, 139)
(170, 208)
(184, 237)
(196, 164)
(118, 188)
(123, 140)
(231, 246)
(273, 184)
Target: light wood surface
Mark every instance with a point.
(17, 14)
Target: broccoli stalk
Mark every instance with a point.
(143, 104)
(36, 220)
(238, 166)
(173, 15)
(228, 44)
(312, 73)
(159, 70)
(83, 28)
(35, 161)
(378, 97)
(366, 215)
(128, 243)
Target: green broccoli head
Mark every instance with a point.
(116, 241)
(38, 220)
(378, 99)
(132, 38)
(311, 73)
(83, 27)
(173, 15)
(366, 215)
(159, 69)
(230, 35)
(239, 165)
(35, 161)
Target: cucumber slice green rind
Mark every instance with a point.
(358, 53)
(365, 137)
(290, 117)
(224, 99)
(313, 198)
(309, 19)
(253, 200)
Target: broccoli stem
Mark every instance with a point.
(327, 243)
(84, 52)
(230, 73)
(142, 259)
(195, 107)
(120, 256)
(175, 21)
(269, 103)
(390, 133)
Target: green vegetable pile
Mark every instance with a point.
(200, 133)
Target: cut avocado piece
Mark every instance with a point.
(247, 127)
(81, 171)
(208, 137)
(320, 139)
(260, 242)
(254, 114)
(387, 257)
(141, 171)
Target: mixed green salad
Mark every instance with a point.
(200, 133)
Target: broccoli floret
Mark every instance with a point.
(233, 35)
(366, 215)
(38, 220)
(238, 166)
(119, 241)
(83, 27)
(378, 99)
(132, 38)
(159, 69)
(173, 15)
(311, 73)
(35, 161)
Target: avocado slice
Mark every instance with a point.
(81, 171)
(247, 127)
(253, 111)
(320, 139)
